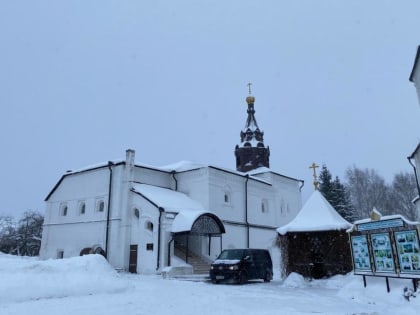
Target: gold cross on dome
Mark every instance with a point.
(314, 167)
(249, 87)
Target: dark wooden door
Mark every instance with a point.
(132, 263)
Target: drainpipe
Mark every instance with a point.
(169, 251)
(161, 210)
(301, 186)
(415, 174)
(108, 208)
(246, 211)
(176, 182)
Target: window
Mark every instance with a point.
(100, 206)
(82, 208)
(264, 206)
(149, 226)
(136, 213)
(63, 210)
(226, 197)
(60, 254)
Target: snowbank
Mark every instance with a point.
(24, 278)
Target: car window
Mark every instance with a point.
(232, 254)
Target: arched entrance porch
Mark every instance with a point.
(197, 244)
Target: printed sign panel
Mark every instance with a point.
(361, 257)
(382, 252)
(408, 251)
(385, 224)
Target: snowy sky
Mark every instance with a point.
(82, 81)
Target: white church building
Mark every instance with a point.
(144, 218)
(414, 158)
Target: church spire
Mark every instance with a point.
(251, 153)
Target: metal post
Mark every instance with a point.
(209, 244)
(387, 284)
(364, 281)
(186, 252)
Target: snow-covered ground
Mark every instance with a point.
(88, 285)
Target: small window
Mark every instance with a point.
(63, 210)
(149, 226)
(226, 198)
(227, 195)
(60, 254)
(100, 206)
(264, 206)
(136, 213)
(82, 208)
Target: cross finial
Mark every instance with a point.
(314, 167)
(249, 87)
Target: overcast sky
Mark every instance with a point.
(82, 81)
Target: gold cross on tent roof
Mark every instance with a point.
(314, 167)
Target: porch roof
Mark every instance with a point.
(187, 210)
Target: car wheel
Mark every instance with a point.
(243, 278)
(267, 277)
(214, 281)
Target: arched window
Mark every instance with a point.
(149, 226)
(63, 209)
(100, 206)
(227, 195)
(264, 206)
(82, 208)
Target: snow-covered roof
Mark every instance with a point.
(187, 209)
(387, 217)
(415, 151)
(316, 215)
(182, 166)
(170, 200)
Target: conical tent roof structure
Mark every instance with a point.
(316, 215)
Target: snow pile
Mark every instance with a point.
(24, 278)
(295, 280)
(376, 292)
(88, 285)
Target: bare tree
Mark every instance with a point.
(403, 191)
(23, 238)
(367, 190)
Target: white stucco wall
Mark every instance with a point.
(75, 231)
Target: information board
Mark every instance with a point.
(361, 256)
(408, 251)
(382, 252)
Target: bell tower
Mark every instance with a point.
(251, 153)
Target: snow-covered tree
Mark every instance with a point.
(403, 191)
(368, 190)
(22, 238)
(336, 194)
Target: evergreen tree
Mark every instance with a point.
(336, 194)
(341, 201)
(326, 184)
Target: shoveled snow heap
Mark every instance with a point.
(88, 285)
(24, 278)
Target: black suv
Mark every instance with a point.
(241, 265)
